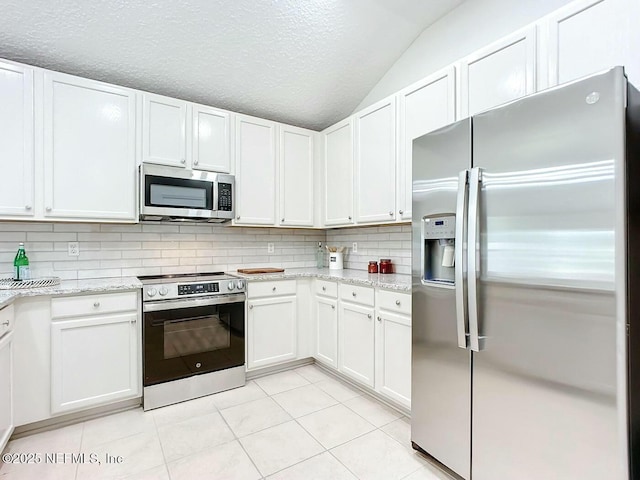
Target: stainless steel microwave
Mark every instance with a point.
(174, 194)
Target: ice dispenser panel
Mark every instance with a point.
(438, 249)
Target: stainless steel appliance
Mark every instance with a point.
(525, 238)
(177, 194)
(193, 336)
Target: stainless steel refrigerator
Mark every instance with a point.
(524, 295)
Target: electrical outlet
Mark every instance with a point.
(271, 248)
(73, 249)
(354, 248)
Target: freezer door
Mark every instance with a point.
(548, 382)
(441, 375)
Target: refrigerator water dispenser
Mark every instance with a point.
(438, 249)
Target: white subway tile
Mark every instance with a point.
(160, 262)
(160, 228)
(107, 272)
(51, 237)
(76, 227)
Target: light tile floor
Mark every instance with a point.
(299, 424)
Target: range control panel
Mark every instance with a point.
(197, 288)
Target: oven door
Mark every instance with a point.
(187, 337)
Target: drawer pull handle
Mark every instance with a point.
(368, 315)
(398, 302)
(5, 323)
(353, 293)
(96, 304)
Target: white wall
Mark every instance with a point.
(472, 25)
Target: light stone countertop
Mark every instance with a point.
(398, 282)
(69, 287)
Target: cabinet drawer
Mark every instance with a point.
(6, 319)
(394, 301)
(328, 289)
(271, 288)
(93, 304)
(356, 294)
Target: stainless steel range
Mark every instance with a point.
(193, 336)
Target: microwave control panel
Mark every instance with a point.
(224, 197)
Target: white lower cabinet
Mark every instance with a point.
(393, 356)
(271, 331)
(327, 331)
(356, 342)
(6, 378)
(95, 350)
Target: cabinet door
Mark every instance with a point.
(376, 163)
(6, 390)
(296, 176)
(327, 331)
(590, 36)
(422, 108)
(356, 342)
(338, 174)
(94, 361)
(499, 73)
(271, 331)
(211, 141)
(89, 149)
(16, 140)
(393, 357)
(164, 130)
(255, 171)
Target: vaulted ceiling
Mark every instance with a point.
(304, 62)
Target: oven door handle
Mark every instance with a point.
(192, 302)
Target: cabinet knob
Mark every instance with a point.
(273, 289)
(183, 161)
(333, 307)
(96, 304)
(250, 307)
(27, 207)
(6, 323)
(238, 217)
(400, 212)
(282, 220)
(324, 289)
(368, 315)
(379, 319)
(133, 319)
(398, 302)
(353, 294)
(195, 162)
(48, 209)
(390, 213)
(350, 217)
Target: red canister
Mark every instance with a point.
(373, 267)
(386, 266)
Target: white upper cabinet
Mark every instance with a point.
(375, 149)
(423, 107)
(338, 174)
(16, 140)
(211, 139)
(588, 36)
(164, 130)
(89, 150)
(499, 73)
(296, 176)
(255, 171)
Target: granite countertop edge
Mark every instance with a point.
(397, 282)
(70, 287)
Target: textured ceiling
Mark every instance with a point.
(304, 62)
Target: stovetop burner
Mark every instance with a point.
(178, 276)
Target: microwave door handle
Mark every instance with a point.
(473, 257)
(462, 320)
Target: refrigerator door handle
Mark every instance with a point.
(461, 299)
(475, 179)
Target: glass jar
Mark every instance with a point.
(386, 266)
(373, 267)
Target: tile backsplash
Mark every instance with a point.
(374, 243)
(114, 250)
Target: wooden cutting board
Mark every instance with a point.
(260, 270)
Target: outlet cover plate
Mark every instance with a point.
(354, 248)
(73, 249)
(271, 248)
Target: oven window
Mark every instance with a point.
(178, 193)
(197, 335)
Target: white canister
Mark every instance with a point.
(335, 260)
